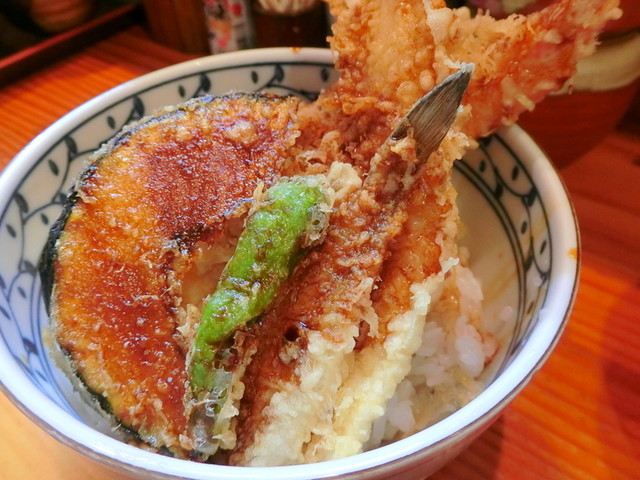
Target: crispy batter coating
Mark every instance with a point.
(316, 370)
(150, 195)
(332, 383)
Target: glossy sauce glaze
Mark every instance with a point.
(129, 239)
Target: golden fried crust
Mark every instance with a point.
(308, 336)
(159, 187)
(381, 58)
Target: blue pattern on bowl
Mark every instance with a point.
(495, 170)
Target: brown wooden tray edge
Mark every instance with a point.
(31, 59)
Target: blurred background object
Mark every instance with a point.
(571, 122)
(12, 37)
(216, 26)
(36, 33)
(179, 24)
(295, 23)
(59, 15)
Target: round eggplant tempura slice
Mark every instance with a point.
(131, 256)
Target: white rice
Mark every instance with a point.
(448, 369)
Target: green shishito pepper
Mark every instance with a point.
(267, 251)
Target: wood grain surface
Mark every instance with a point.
(580, 416)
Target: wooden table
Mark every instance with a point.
(580, 416)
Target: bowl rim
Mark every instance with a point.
(475, 415)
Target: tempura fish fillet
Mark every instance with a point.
(412, 275)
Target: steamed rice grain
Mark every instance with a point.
(448, 370)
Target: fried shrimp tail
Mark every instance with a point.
(521, 59)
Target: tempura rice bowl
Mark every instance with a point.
(519, 231)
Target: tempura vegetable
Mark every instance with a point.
(289, 218)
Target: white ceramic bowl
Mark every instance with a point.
(522, 237)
